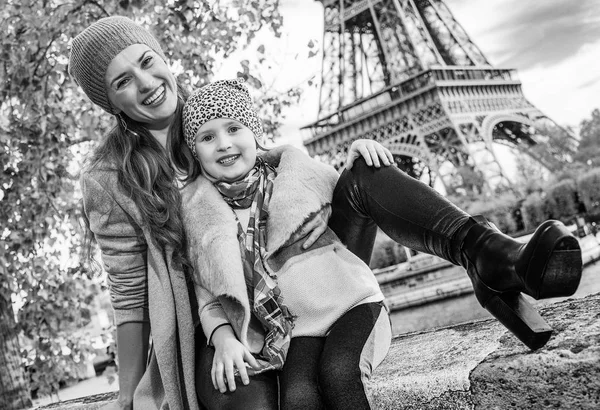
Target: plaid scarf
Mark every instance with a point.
(254, 191)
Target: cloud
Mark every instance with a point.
(567, 91)
(519, 34)
(554, 44)
(589, 83)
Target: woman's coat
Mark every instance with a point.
(144, 287)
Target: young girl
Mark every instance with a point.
(314, 317)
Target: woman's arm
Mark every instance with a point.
(373, 152)
(315, 226)
(123, 254)
(132, 344)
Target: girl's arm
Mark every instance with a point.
(230, 354)
(374, 154)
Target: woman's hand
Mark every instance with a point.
(230, 354)
(373, 152)
(316, 226)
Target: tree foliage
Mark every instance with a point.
(588, 187)
(497, 209)
(47, 123)
(589, 145)
(562, 199)
(554, 139)
(386, 252)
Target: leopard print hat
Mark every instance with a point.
(220, 99)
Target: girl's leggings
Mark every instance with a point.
(331, 372)
(319, 373)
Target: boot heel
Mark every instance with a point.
(514, 312)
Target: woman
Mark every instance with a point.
(131, 200)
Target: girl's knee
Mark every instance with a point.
(340, 376)
(301, 395)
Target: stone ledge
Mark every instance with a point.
(83, 403)
(479, 365)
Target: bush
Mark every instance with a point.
(535, 210)
(588, 188)
(498, 210)
(562, 199)
(386, 252)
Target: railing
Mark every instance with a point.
(418, 83)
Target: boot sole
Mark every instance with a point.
(561, 266)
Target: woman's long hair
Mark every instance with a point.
(150, 174)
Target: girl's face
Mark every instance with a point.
(140, 84)
(226, 149)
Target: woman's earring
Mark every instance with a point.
(124, 125)
(122, 121)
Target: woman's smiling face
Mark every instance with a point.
(141, 85)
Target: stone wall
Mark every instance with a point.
(479, 365)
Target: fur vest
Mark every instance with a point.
(303, 186)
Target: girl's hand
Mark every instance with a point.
(371, 151)
(230, 354)
(314, 228)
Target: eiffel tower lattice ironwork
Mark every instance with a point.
(405, 73)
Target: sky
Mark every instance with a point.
(554, 45)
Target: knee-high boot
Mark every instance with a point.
(499, 267)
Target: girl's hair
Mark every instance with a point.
(149, 174)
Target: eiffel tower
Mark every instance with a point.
(405, 73)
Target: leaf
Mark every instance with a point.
(253, 81)
(50, 127)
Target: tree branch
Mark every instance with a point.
(98, 5)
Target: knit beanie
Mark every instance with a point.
(94, 48)
(221, 99)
